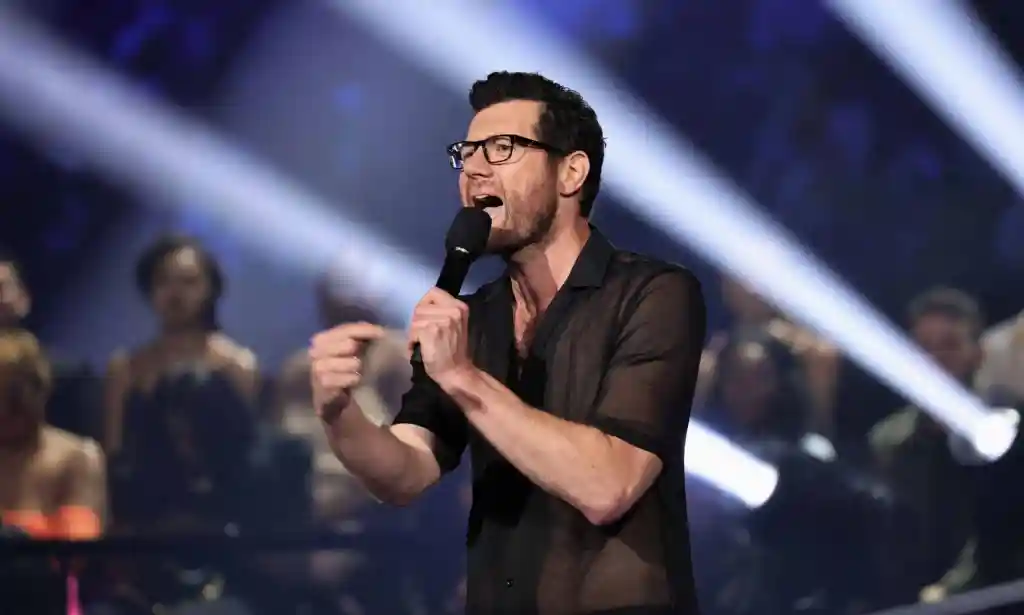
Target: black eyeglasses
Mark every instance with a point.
(497, 149)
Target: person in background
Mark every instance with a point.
(52, 482)
(790, 556)
(339, 500)
(183, 284)
(1001, 377)
(15, 301)
(819, 359)
(995, 552)
(74, 400)
(912, 454)
(179, 420)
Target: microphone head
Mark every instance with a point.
(469, 232)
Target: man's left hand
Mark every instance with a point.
(440, 326)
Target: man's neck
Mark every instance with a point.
(538, 271)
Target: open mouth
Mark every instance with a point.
(487, 201)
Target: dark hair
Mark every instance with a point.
(166, 245)
(948, 302)
(567, 122)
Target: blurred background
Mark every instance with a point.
(189, 190)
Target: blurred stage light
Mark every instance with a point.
(724, 465)
(945, 54)
(670, 184)
(59, 98)
(63, 101)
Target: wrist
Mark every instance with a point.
(333, 415)
(458, 379)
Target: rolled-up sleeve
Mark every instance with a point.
(648, 387)
(427, 406)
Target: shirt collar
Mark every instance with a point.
(592, 263)
(590, 268)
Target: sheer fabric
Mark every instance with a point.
(618, 349)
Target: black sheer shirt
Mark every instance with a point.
(618, 350)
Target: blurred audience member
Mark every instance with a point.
(818, 359)
(338, 499)
(15, 301)
(995, 553)
(52, 482)
(75, 395)
(912, 451)
(1001, 377)
(180, 418)
(758, 398)
(387, 374)
(759, 391)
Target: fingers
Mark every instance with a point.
(344, 340)
(419, 328)
(438, 297)
(332, 378)
(435, 314)
(339, 365)
(335, 382)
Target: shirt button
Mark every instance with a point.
(509, 582)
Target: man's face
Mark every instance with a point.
(526, 183)
(181, 288)
(951, 342)
(14, 298)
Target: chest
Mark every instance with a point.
(149, 368)
(554, 361)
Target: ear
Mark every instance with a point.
(572, 172)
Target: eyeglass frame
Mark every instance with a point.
(454, 153)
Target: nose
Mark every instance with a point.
(476, 165)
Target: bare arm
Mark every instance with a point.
(394, 463)
(600, 475)
(82, 508)
(244, 372)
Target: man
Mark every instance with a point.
(569, 378)
(912, 451)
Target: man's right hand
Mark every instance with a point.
(336, 366)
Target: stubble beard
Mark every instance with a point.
(526, 231)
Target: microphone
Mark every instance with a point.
(465, 242)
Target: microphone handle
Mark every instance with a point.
(453, 275)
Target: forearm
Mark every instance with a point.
(390, 469)
(571, 461)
